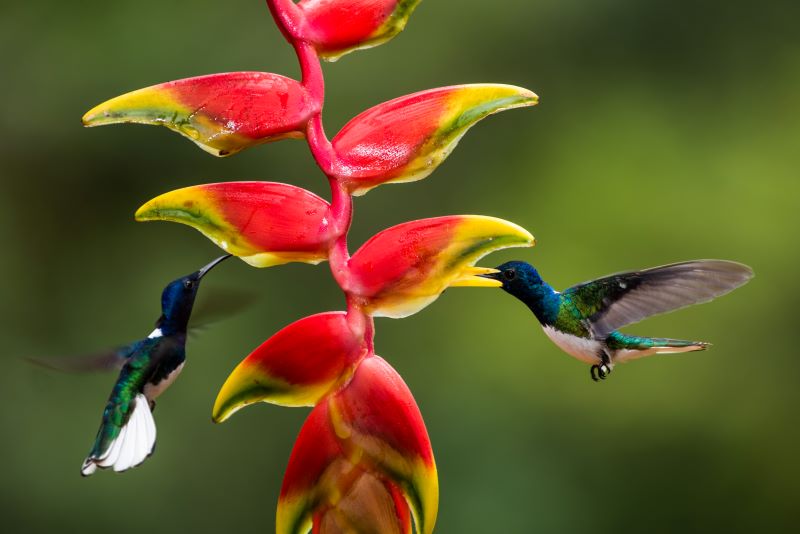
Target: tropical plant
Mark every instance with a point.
(363, 460)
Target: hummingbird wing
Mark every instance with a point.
(620, 299)
(215, 304)
(107, 360)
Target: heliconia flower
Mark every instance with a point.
(405, 139)
(402, 269)
(362, 461)
(263, 223)
(338, 27)
(222, 113)
(295, 367)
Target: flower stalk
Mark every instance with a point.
(363, 460)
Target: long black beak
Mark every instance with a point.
(496, 275)
(202, 272)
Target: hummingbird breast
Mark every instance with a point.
(583, 348)
(153, 389)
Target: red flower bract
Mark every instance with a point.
(264, 223)
(222, 113)
(295, 367)
(367, 436)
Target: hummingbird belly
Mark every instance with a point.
(584, 349)
(152, 391)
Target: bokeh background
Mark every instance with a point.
(666, 131)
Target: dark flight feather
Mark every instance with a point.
(614, 301)
(107, 360)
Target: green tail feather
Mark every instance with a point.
(618, 341)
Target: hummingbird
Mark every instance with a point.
(583, 320)
(127, 434)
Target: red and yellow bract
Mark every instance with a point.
(295, 367)
(264, 223)
(402, 269)
(338, 27)
(360, 449)
(222, 113)
(405, 139)
(363, 460)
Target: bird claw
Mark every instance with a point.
(600, 372)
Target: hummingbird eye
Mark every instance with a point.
(188, 284)
(509, 274)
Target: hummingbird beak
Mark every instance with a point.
(477, 277)
(202, 272)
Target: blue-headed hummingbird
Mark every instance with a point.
(127, 433)
(583, 320)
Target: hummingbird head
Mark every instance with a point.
(177, 299)
(518, 278)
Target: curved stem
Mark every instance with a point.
(288, 17)
(311, 70)
(290, 20)
(339, 255)
(361, 324)
(321, 148)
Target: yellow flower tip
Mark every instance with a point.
(88, 119)
(178, 206)
(530, 97)
(226, 403)
(520, 96)
(146, 213)
(220, 414)
(154, 210)
(505, 230)
(98, 116)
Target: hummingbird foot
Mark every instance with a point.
(600, 372)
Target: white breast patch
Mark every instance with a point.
(584, 349)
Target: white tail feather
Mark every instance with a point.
(134, 443)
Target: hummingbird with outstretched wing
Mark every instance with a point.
(147, 367)
(583, 320)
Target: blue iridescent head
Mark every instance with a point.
(517, 277)
(177, 299)
(523, 281)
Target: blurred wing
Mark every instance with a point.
(108, 360)
(615, 301)
(216, 304)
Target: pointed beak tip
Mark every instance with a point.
(202, 272)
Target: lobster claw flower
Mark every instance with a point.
(295, 367)
(263, 223)
(402, 269)
(338, 27)
(222, 113)
(362, 462)
(405, 139)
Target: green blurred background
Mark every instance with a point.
(666, 131)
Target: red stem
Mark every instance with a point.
(291, 22)
(311, 70)
(288, 17)
(362, 324)
(342, 214)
